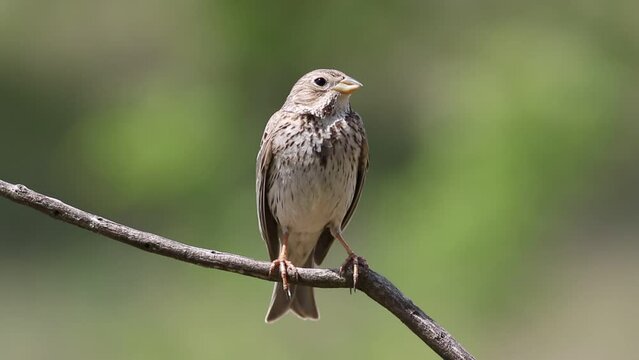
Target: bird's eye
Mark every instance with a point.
(320, 81)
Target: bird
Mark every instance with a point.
(310, 172)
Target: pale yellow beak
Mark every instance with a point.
(347, 86)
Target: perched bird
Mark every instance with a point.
(310, 172)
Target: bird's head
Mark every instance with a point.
(321, 93)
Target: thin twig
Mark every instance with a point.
(373, 284)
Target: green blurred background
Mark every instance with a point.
(502, 194)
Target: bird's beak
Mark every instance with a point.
(347, 86)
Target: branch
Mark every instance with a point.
(373, 284)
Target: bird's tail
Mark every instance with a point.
(302, 301)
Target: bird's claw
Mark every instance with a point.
(353, 261)
(285, 267)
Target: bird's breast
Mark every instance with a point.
(314, 175)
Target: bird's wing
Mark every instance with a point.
(326, 239)
(267, 222)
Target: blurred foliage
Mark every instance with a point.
(501, 198)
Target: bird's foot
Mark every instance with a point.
(285, 267)
(352, 261)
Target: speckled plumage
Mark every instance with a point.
(310, 172)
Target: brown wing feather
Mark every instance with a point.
(326, 239)
(267, 222)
